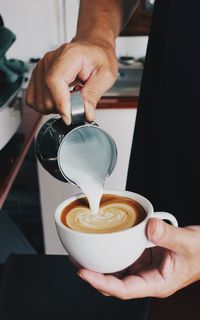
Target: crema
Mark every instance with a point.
(116, 213)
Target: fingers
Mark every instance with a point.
(130, 287)
(38, 95)
(106, 284)
(30, 94)
(97, 84)
(178, 240)
(49, 84)
(47, 88)
(165, 272)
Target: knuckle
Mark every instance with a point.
(48, 104)
(47, 56)
(49, 79)
(120, 296)
(110, 76)
(164, 294)
(29, 101)
(91, 96)
(37, 69)
(92, 99)
(126, 296)
(33, 74)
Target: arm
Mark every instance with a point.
(90, 57)
(107, 16)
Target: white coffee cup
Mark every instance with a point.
(109, 252)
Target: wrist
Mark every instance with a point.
(96, 37)
(100, 29)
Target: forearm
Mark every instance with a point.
(103, 19)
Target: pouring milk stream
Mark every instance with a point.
(82, 153)
(85, 157)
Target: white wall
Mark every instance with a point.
(38, 25)
(35, 23)
(131, 46)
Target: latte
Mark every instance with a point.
(116, 213)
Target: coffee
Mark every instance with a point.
(116, 213)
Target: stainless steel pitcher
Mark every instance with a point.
(55, 135)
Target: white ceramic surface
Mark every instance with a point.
(109, 252)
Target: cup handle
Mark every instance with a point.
(163, 216)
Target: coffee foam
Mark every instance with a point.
(116, 213)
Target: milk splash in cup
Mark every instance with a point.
(86, 157)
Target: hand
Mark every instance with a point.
(161, 270)
(94, 63)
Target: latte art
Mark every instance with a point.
(115, 214)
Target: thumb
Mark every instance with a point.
(167, 236)
(93, 89)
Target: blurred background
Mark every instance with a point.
(41, 26)
(28, 194)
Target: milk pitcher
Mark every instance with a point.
(82, 145)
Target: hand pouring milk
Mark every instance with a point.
(81, 153)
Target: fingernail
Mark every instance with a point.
(66, 120)
(157, 228)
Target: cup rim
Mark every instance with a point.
(134, 195)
